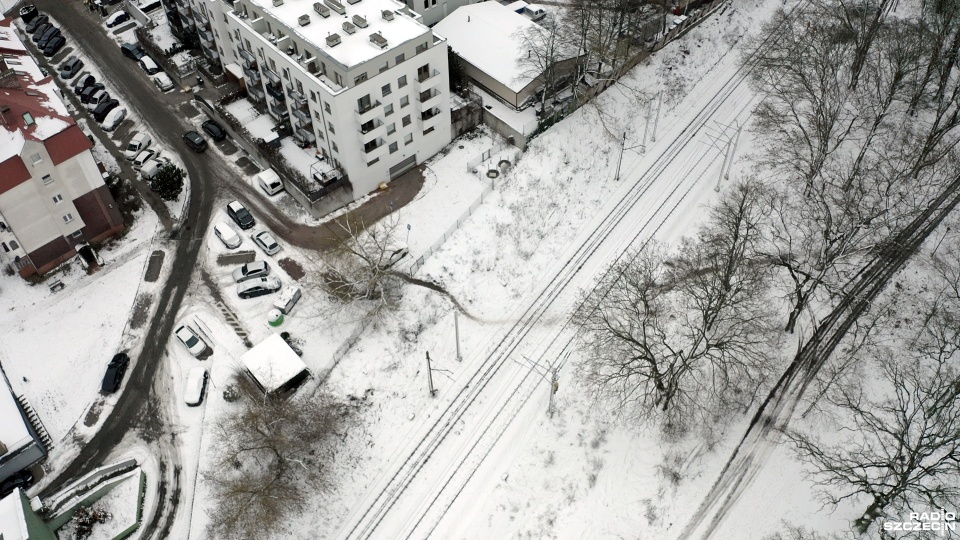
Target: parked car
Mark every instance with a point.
(267, 242)
(54, 46)
(214, 130)
(194, 386)
(113, 119)
(40, 30)
(151, 167)
(22, 480)
(139, 142)
(227, 235)
(89, 91)
(258, 287)
(114, 375)
(33, 25)
(29, 13)
(83, 81)
(142, 158)
(190, 340)
(95, 99)
(70, 68)
(45, 38)
(163, 82)
(147, 64)
(119, 17)
(132, 51)
(251, 270)
(100, 113)
(240, 215)
(195, 141)
(270, 182)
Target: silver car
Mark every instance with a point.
(267, 242)
(251, 270)
(190, 340)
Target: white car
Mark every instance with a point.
(266, 242)
(163, 82)
(195, 385)
(251, 270)
(227, 235)
(113, 119)
(190, 340)
(142, 158)
(137, 144)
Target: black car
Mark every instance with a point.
(45, 38)
(240, 215)
(22, 480)
(195, 141)
(41, 29)
(83, 82)
(101, 111)
(117, 19)
(55, 45)
(28, 13)
(114, 375)
(35, 23)
(214, 130)
(132, 51)
(89, 91)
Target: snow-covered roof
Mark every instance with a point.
(13, 432)
(355, 48)
(273, 363)
(13, 523)
(489, 36)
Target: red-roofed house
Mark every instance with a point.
(52, 195)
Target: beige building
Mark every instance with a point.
(52, 196)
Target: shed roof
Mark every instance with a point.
(273, 363)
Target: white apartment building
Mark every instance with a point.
(363, 81)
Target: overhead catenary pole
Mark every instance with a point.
(646, 126)
(656, 119)
(456, 331)
(554, 386)
(433, 391)
(623, 142)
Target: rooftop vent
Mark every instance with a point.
(348, 27)
(277, 3)
(360, 21)
(333, 40)
(387, 15)
(304, 20)
(336, 6)
(353, 1)
(321, 9)
(378, 40)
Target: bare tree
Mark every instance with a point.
(684, 337)
(270, 452)
(545, 45)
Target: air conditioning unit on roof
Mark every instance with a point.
(333, 40)
(336, 6)
(321, 9)
(387, 15)
(348, 27)
(304, 20)
(360, 21)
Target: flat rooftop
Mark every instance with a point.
(354, 48)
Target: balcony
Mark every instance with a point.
(206, 36)
(429, 99)
(369, 112)
(256, 94)
(375, 149)
(210, 53)
(302, 117)
(249, 60)
(299, 99)
(184, 10)
(303, 137)
(431, 118)
(201, 19)
(252, 76)
(279, 111)
(428, 80)
(372, 130)
(271, 75)
(276, 92)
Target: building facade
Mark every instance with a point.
(433, 11)
(52, 195)
(364, 82)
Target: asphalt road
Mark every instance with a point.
(140, 409)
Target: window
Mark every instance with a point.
(422, 47)
(316, 115)
(338, 79)
(385, 89)
(428, 131)
(58, 198)
(372, 163)
(426, 4)
(384, 67)
(286, 73)
(360, 78)
(28, 118)
(14, 244)
(400, 58)
(47, 179)
(330, 126)
(404, 101)
(299, 86)
(393, 147)
(313, 96)
(423, 72)
(273, 65)
(408, 138)
(406, 120)
(326, 107)
(77, 234)
(363, 104)
(320, 135)
(388, 109)
(68, 218)
(391, 129)
(36, 160)
(402, 81)
(333, 145)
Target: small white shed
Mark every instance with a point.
(274, 366)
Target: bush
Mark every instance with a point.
(168, 182)
(231, 393)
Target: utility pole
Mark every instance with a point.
(554, 386)
(728, 158)
(433, 391)
(623, 142)
(656, 119)
(456, 331)
(646, 127)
